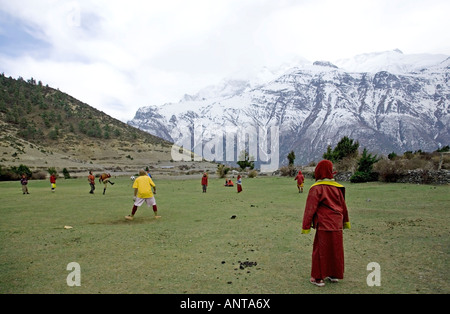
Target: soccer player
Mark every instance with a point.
(53, 181)
(204, 182)
(143, 186)
(91, 180)
(24, 183)
(239, 184)
(104, 178)
(300, 180)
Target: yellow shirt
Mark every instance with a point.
(144, 186)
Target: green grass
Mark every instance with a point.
(196, 248)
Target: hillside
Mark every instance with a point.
(41, 127)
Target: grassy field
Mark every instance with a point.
(197, 248)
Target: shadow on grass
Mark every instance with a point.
(135, 221)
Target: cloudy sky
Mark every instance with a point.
(118, 56)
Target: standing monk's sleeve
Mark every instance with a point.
(312, 203)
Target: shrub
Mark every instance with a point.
(360, 177)
(345, 148)
(288, 171)
(390, 170)
(346, 164)
(246, 161)
(22, 169)
(444, 149)
(365, 163)
(14, 173)
(40, 175)
(52, 170)
(392, 156)
(252, 174)
(66, 173)
(291, 157)
(222, 170)
(8, 175)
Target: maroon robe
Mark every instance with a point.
(300, 178)
(326, 212)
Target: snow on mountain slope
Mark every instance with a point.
(315, 105)
(392, 61)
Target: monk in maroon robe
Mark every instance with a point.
(326, 211)
(300, 178)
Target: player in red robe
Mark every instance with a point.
(239, 184)
(53, 182)
(326, 211)
(300, 178)
(204, 182)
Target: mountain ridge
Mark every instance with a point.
(315, 105)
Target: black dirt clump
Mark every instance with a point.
(243, 265)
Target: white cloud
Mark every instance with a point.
(118, 56)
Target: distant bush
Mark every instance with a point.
(8, 175)
(345, 164)
(413, 161)
(360, 177)
(252, 174)
(393, 170)
(392, 156)
(288, 171)
(444, 149)
(14, 173)
(222, 170)
(389, 170)
(291, 158)
(66, 173)
(52, 170)
(39, 175)
(346, 147)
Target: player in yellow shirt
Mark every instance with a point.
(143, 186)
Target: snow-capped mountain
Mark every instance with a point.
(389, 102)
(393, 61)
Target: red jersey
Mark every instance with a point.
(104, 177)
(300, 178)
(204, 180)
(52, 179)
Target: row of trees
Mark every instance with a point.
(15, 173)
(345, 148)
(370, 167)
(348, 148)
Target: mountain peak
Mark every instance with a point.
(325, 64)
(314, 105)
(393, 61)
